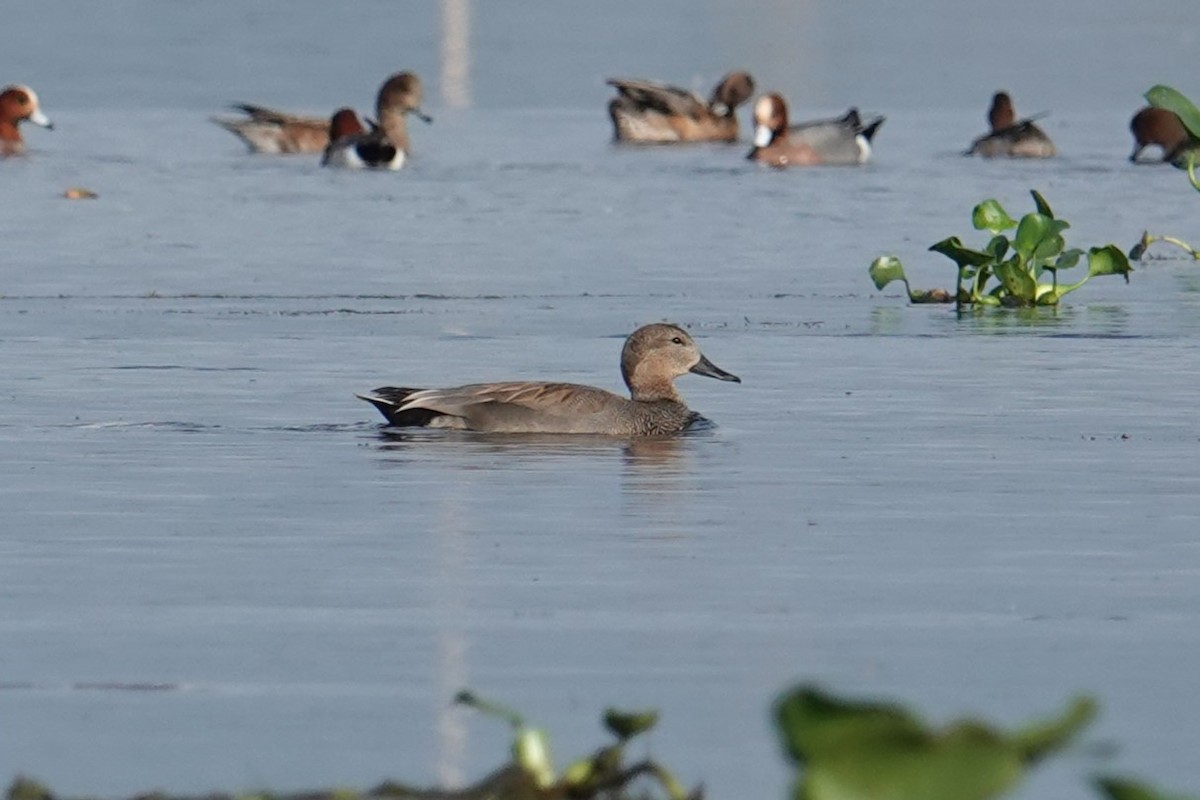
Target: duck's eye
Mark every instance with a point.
(677, 340)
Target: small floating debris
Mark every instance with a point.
(79, 193)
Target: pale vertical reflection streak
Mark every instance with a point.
(453, 673)
(456, 53)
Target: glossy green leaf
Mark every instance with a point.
(1108, 260)
(1018, 283)
(1124, 789)
(813, 723)
(877, 751)
(886, 269)
(627, 724)
(1033, 229)
(954, 250)
(1068, 258)
(991, 216)
(997, 247)
(1043, 207)
(1161, 96)
(1053, 243)
(970, 764)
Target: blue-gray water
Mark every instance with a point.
(982, 515)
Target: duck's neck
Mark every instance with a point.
(394, 125)
(655, 391)
(10, 137)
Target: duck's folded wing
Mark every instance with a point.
(271, 116)
(522, 406)
(660, 97)
(1007, 136)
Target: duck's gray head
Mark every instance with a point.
(655, 355)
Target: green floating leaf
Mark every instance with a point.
(1161, 96)
(1031, 232)
(997, 247)
(1108, 260)
(1068, 258)
(1124, 789)
(1042, 206)
(967, 763)
(886, 269)
(953, 249)
(627, 724)
(991, 216)
(813, 724)
(854, 750)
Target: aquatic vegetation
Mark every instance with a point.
(1138, 251)
(1010, 272)
(528, 775)
(602, 774)
(1161, 96)
(854, 750)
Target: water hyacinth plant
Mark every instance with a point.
(1021, 271)
(853, 750)
(531, 774)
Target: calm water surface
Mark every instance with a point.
(218, 571)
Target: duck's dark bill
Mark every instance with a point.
(706, 367)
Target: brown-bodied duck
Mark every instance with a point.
(18, 103)
(842, 141)
(1157, 126)
(399, 96)
(658, 113)
(265, 130)
(652, 358)
(1009, 136)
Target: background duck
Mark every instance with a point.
(842, 141)
(1009, 136)
(1158, 126)
(652, 112)
(17, 104)
(385, 146)
(652, 357)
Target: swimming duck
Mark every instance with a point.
(653, 356)
(1010, 136)
(842, 141)
(1158, 126)
(353, 146)
(388, 140)
(17, 104)
(652, 112)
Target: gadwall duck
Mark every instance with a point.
(843, 141)
(652, 112)
(653, 356)
(265, 130)
(1010, 136)
(1158, 126)
(17, 104)
(399, 96)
